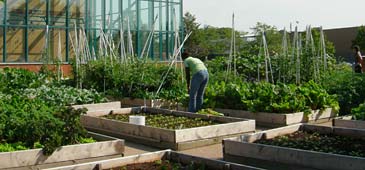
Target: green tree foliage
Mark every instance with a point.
(208, 40)
(360, 38)
(273, 37)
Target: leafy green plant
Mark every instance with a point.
(266, 97)
(31, 120)
(210, 112)
(140, 79)
(359, 112)
(15, 79)
(63, 95)
(33, 112)
(349, 88)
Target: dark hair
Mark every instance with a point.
(357, 48)
(185, 55)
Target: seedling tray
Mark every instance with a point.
(244, 150)
(167, 155)
(179, 139)
(278, 119)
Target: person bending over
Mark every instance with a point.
(198, 82)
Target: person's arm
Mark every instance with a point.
(359, 58)
(187, 76)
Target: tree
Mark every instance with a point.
(192, 26)
(209, 40)
(360, 38)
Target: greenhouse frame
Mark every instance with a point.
(32, 29)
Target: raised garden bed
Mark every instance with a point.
(159, 160)
(65, 155)
(188, 130)
(348, 122)
(278, 119)
(300, 146)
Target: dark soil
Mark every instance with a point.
(334, 144)
(165, 121)
(158, 165)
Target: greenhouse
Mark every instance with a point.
(32, 29)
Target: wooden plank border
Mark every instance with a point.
(160, 155)
(65, 153)
(157, 103)
(347, 122)
(276, 119)
(99, 106)
(244, 147)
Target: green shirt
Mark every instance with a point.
(194, 64)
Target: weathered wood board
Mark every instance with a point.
(347, 122)
(157, 103)
(161, 155)
(65, 153)
(99, 106)
(165, 138)
(276, 119)
(244, 148)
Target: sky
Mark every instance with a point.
(280, 13)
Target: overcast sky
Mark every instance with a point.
(326, 13)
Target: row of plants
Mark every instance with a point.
(267, 97)
(35, 111)
(137, 79)
(165, 121)
(327, 143)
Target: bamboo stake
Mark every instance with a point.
(149, 39)
(172, 62)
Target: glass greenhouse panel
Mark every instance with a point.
(58, 12)
(15, 45)
(25, 23)
(37, 12)
(112, 14)
(36, 45)
(1, 44)
(57, 45)
(77, 12)
(16, 12)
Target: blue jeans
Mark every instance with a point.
(197, 88)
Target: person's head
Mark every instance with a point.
(185, 55)
(356, 48)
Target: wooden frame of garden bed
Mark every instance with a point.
(243, 150)
(65, 155)
(164, 138)
(158, 103)
(99, 106)
(347, 122)
(278, 119)
(155, 156)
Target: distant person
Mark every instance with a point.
(198, 82)
(358, 60)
